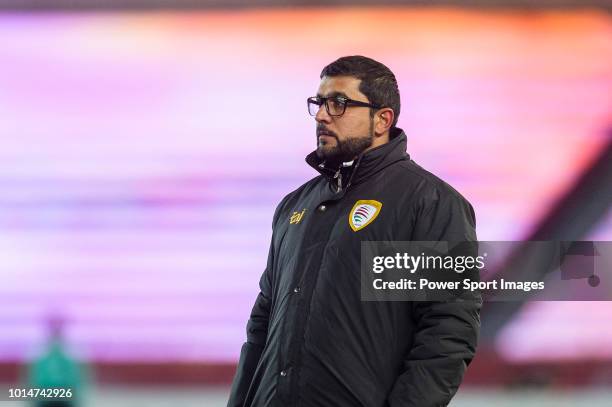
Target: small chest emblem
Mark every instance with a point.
(296, 217)
(363, 213)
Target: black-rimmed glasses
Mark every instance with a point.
(335, 106)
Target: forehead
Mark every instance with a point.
(340, 85)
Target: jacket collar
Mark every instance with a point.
(368, 163)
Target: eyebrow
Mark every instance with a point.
(334, 94)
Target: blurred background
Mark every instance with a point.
(145, 144)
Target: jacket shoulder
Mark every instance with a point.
(292, 197)
(426, 185)
(434, 199)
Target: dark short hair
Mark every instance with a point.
(378, 83)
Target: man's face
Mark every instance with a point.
(342, 138)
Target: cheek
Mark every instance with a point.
(354, 125)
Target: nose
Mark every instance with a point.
(322, 116)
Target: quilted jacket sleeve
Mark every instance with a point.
(256, 330)
(447, 332)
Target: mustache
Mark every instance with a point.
(322, 131)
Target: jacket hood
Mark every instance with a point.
(368, 163)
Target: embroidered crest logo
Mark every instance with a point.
(363, 213)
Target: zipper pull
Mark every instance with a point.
(338, 177)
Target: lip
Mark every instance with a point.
(325, 138)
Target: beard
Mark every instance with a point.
(345, 150)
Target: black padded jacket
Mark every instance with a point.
(311, 341)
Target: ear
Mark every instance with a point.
(383, 119)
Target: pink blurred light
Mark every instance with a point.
(141, 152)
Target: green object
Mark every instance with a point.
(57, 369)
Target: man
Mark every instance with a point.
(311, 340)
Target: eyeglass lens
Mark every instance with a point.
(335, 107)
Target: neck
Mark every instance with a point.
(379, 140)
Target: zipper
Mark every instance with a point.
(338, 177)
(355, 168)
